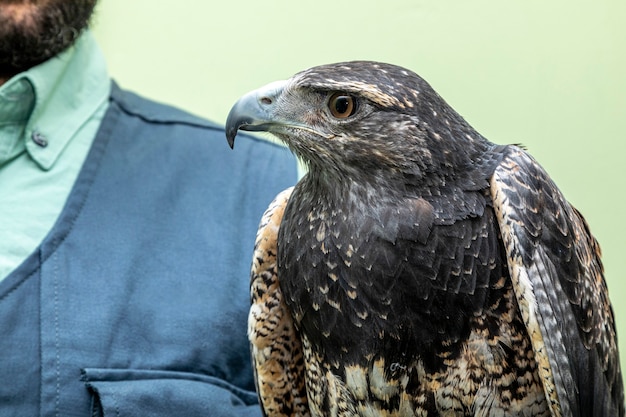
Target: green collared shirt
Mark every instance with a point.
(49, 116)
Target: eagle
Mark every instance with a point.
(418, 269)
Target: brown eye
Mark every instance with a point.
(342, 105)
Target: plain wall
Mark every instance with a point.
(549, 75)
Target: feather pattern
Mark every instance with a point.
(556, 268)
(418, 269)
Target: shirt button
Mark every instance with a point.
(39, 139)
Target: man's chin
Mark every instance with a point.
(35, 34)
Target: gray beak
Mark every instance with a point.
(253, 111)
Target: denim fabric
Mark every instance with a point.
(136, 302)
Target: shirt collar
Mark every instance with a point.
(56, 98)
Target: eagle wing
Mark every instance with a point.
(276, 350)
(559, 284)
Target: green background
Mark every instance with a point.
(550, 75)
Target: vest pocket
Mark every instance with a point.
(133, 392)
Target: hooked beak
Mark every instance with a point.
(253, 111)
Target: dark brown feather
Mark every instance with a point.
(556, 267)
(426, 271)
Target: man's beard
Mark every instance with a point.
(40, 31)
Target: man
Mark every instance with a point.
(123, 224)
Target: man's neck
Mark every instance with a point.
(7, 72)
(5, 77)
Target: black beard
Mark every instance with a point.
(44, 31)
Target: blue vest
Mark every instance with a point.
(136, 302)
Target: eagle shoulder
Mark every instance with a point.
(559, 284)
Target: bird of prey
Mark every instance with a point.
(418, 269)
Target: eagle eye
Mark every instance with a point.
(342, 105)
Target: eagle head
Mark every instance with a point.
(362, 118)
